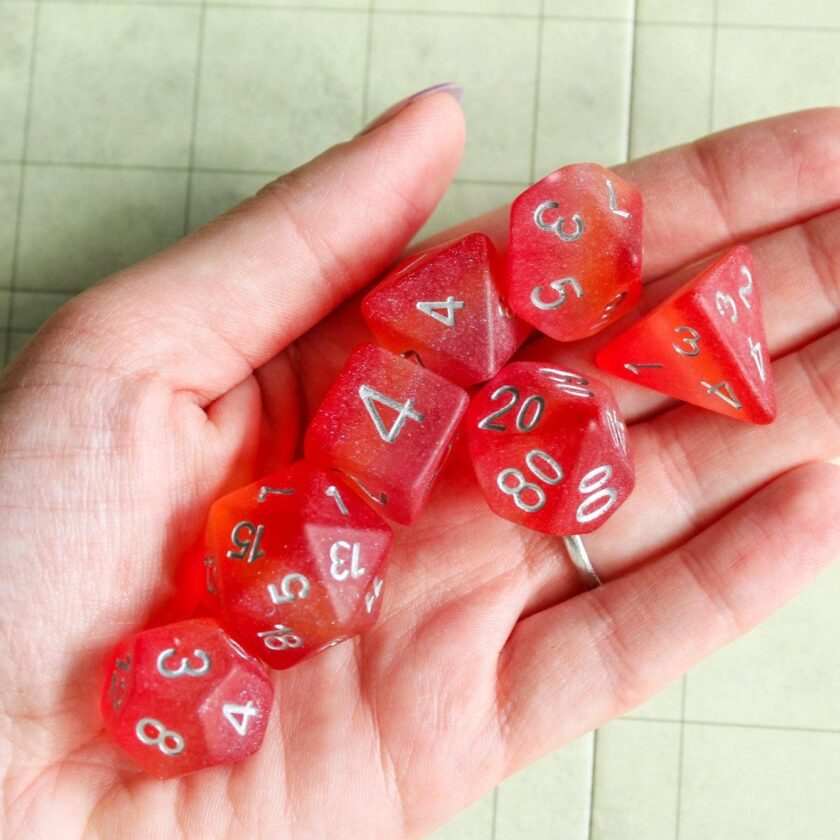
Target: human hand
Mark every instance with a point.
(165, 386)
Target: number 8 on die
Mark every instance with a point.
(549, 448)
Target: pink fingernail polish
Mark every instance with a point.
(455, 91)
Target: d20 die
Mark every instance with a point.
(705, 344)
(388, 424)
(300, 563)
(549, 448)
(575, 252)
(185, 696)
(445, 304)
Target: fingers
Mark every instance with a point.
(737, 184)
(205, 313)
(606, 651)
(697, 465)
(692, 466)
(732, 185)
(798, 274)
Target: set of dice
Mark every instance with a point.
(295, 562)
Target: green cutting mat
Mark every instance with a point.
(124, 125)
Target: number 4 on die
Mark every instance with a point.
(705, 344)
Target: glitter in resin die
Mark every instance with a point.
(445, 304)
(549, 448)
(300, 563)
(185, 696)
(575, 251)
(388, 424)
(705, 344)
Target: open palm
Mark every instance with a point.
(171, 383)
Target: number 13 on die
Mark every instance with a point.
(308, 582)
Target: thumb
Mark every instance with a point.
(207, 311)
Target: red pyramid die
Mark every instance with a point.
(705, 344)
(575, 253)
(445, 304)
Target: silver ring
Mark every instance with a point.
(578, 555)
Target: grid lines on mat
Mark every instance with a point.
(205, 101)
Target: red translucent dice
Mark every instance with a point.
(387, 423)
(299, 563)
(575, 252)
(705, 344)
(185, 696)
(445, 305)
(549, 448)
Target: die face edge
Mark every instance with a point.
(234, 715)
(479, 283)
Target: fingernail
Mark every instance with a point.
(455, 91)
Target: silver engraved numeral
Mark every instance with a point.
(570, 383)
(691, 339)
(117, 687)
(611, 306)
(381, 499)
(372, 596)
(287, 593)
(265, 492)
(724, 391)
(635, 368)
(162, 737)
(746, 290)
(726, 306)
(280, 638)
(533, 461)
(617, 430)
(370, 397)
(333, 493)
(593, 484)
(184, 669)
(758, 357)
(625, 214)
(239, 716)
(337, 562)
(249, 546)
(533, 405)
(557, 227)
(432, 307)
(559, 286)
(210, 574)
